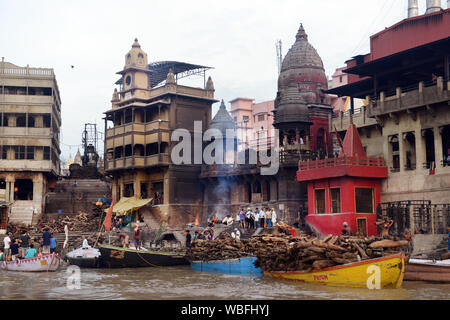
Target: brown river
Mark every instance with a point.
(181, 283)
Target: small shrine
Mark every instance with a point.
(344, 189)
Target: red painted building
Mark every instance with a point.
(344, 189)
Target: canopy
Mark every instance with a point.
(127, 205)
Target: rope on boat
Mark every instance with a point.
(150, 264)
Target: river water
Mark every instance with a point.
(181, 283)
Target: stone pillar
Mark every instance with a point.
(9, 196)
(420, 149)
(438, 152)
(38, 191)
(402, 152)
(387, 154)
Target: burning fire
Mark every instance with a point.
(196, 221)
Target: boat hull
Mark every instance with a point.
(115, 257)
(86, 262)
(243, 266)
(87, 257)
(427, 271)
(359, 275)
(48, 262)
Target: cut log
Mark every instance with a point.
(388, 244)
(361, 251)
(333, 240)
(321, 264)
(328, 246)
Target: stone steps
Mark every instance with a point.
(73, 199)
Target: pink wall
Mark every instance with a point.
(241, 107)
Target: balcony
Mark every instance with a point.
(408, 98)
(162, 159)
(28, 165)
(26, 132)
(28, 72)
(359, 118)
(26, 99)
(222, 170)
(138, 127)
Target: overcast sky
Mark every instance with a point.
(237, 38)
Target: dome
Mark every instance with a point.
(136, 57)
(301, 81)
(222, 119)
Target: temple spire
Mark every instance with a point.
(301, 34)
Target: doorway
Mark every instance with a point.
(23, 189)
(361, 225)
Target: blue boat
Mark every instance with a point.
(242, 266)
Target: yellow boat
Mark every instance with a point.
(384, 272)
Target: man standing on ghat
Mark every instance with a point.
(6, 247)
(46, 237)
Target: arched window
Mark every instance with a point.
(21, 121)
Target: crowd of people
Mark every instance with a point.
(26, 247)
(253, 219)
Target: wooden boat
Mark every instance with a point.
(46, 262)
(428, 270)
(116, 257)
(243, 266)
(86, 257)
(358, 274)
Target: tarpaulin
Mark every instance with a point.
(127, 205)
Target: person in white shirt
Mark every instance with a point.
(269, 218)
(6, 247)
(274, 216)
(256, 219)
(248, 218)
(85, 244)
(262, 218)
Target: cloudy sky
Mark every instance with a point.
(236, 37)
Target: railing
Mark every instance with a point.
(227, 169)
(138, 161)
(138, 127)
(341, 161)
(418, 216)
(405, 98)
(28, 71)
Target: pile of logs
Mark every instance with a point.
(220, 249)
(281, 252)
(307, 253)
(82, 222)
(17, 228)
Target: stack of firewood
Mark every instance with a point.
(228, 248)
(82, 222)
(281, 252)
(17, 228)
(306, 254)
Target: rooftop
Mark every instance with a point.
(159, 70)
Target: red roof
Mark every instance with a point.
(352, 162)
(352, 144)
